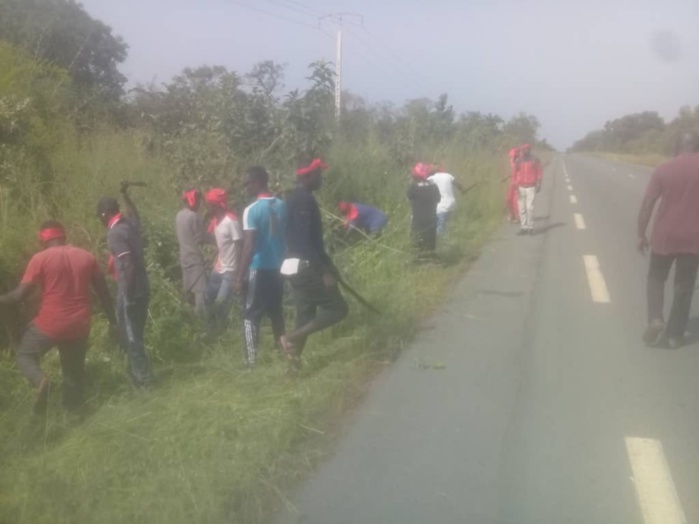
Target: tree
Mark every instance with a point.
(65, 35)
(267, 77)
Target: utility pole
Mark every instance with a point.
(338, 18)
(338, 76)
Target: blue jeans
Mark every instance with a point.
(442, 218)
(132, 325)
(219, 298)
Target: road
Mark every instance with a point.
(548, 409)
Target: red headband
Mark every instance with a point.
(217, 197)
(315, 165)
(51, 233)
(190, 197)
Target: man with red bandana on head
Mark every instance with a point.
(512, 196)
(313, 277)
(133, 287)
(225, 227)
(362, 217)
(191, 235)
(424, 198)
(64, 274)
(528, 175)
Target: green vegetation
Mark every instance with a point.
(212, 443)
(642, 137)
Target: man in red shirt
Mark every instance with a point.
(675, 240)
(65, 275)
(528, 176)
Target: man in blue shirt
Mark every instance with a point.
(365, 218)
(264, 226)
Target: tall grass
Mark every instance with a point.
(212, 442)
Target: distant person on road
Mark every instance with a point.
(133, 288)
(365, 218)
(447, 202)
(675, 240)
(259, 278)
(512, 196)
(226, 229)
(528, 175)
(191, 235)
(313, 277)
(65, 275)
(424, 198)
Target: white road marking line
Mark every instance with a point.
(632, 176)
(579, 221)
(598, 287)
(573, 199)
(655, 488)
(570, 188)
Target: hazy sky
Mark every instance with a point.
(573, 64)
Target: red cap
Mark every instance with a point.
(421, 170)
(190, 197)
(51, 233)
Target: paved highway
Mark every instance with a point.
(549, 408)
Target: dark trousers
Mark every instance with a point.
(317, 307)
(34, 345)
(425, 240)
(263, 296)
(685, 279)
(132, 325)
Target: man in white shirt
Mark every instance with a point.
(446, 183)
(229, 239)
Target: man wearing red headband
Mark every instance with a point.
(424, 198)
(528, 175)
(512, 196)
(133, 287)
(64, 274)
(191, 235)
(362, 217)
(229, 239)
(319, 303)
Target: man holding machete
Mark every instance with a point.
(313, 277)
(133, 288)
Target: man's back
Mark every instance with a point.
(65, 275)
(267, 217)
(676, 229)
(445, 183)
(189, 226)
(424, 197)
(304, 237)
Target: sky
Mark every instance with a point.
(572, 64)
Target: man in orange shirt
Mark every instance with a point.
(65, 275)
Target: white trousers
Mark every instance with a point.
(526, 196)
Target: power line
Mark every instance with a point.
(298, 8)
(408, 75)
(275, 15)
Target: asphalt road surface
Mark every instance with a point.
(545, 406)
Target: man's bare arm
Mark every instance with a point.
(100, 286)
(249, 237)
(16, 295)
(644, 215)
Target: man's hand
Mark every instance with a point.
(643, 245)
(329, 280)
(239, 285)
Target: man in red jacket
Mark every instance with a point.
(528, 174)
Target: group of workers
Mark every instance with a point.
(525, 183)
(275, 240)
